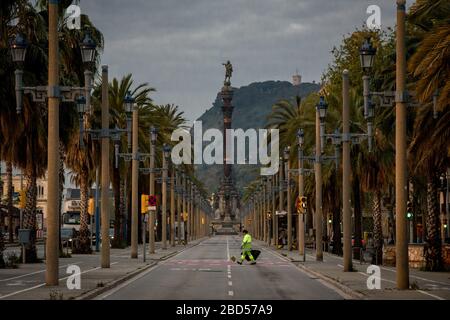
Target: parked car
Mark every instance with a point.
(363, 242)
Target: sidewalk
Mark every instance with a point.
(28, 281)
(427, 285)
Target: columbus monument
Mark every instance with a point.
(227, 197)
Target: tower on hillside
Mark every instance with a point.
(296, 79)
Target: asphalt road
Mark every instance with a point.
(206, 272)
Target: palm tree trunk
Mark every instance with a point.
(337, 243)
(358, 217)
(117, 212)
(9, 176)
(122, 209)
(433, 254)
(61, 191)
(29, 214)
(2, 243)
(377, 258)
(83, 244)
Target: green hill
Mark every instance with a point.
(252, 104)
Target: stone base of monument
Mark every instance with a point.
(226, 227)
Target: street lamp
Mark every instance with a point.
(367, 55)
(19, 48)
(166, 155)
(321, 108)
(53, 94)
(128, 104)
(153, 134)
(300, 137)
(166, 150)
(88, 47)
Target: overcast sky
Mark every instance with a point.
(178, 46)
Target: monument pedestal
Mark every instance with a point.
(222, 227)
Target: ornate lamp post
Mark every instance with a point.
(166, 155)
(153, 134)
(54, 93)
(288, 196)
(402, 98)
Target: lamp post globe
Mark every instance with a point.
(322, 107)
(286, 153)
(81, 106)
(128, 103)
(88, 48)
(166, 150)
(367, 55)
(18, 48)
(300, 137)
(153, 134)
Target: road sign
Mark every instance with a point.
(151, 202)
(280, 213)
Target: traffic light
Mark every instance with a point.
(144, 203)
(301, 204)
(22, 199)
(409, 210)
(91, 207)
(330, 219)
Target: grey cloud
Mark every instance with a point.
(178, 45)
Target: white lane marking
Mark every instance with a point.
(367, 275)
(229, 276)
(421, 291)
(340, 265)
(323, 282)
(420, 278)
(43, 284)
(337, 290)
(230, 293)
(36, 272)
(431, 295)
(230, 283)
(126, 283)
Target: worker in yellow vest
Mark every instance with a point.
(247, 248)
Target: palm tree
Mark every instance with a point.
(117, 92)
(81, 161)
(428, 149)
(429, 67)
